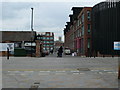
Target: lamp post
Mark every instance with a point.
(32, 20)
(31, 29)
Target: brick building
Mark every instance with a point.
(78, 31)
(47, 39)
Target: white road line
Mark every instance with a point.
(100, 73)
(106, 70)
(74, 71)
(111, 72)
(14, 71)
(28, 71)
(94, 70)
(44, 71)
(82, 73)
(60, 71)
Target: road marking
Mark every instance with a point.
(60, 71)
(82, 73)
(94, 70)
(44, 71)
(75, 71)
(28, 71)
(100, 73)
(106, 70)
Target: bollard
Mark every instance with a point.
(8, 53)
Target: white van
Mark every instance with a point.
(67, 51)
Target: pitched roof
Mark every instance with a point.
(17, 35)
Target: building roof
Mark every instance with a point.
(17, 35)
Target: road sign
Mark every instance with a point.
(116, 45)
(4, 46)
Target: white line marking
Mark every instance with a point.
(82, 73)
(94, 70)
(74, 71)
(100, 73)
(44, 71)
(106, 70)
(60, 71)
(111, 72)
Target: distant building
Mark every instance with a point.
(47, 39)
(58, 43)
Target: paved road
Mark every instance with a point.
(65, 72)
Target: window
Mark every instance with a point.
(88, 46)
(88, 28)
(44, 37)
(47, 41)
(88, 15)
(51, 42)
(82, 18)
(51, 37)
(83, 30)
(47, 38)
(47, 34)
(78, 23)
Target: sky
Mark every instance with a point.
(49, 16)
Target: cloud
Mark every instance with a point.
(48, 16)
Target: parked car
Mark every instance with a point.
(46, 52)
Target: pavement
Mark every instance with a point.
(65, 72)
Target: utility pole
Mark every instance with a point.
(31, 29)
(32, 20)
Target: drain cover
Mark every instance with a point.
(83, 69)
(35, 86)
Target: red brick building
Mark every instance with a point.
(78, 31)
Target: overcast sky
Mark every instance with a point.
(48, 16)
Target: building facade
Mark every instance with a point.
(47, 39)
(105, 28)
(78, 31)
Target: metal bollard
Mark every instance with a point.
(8, 53)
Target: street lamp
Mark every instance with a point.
(31, 29)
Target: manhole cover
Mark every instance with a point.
(83, 69)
